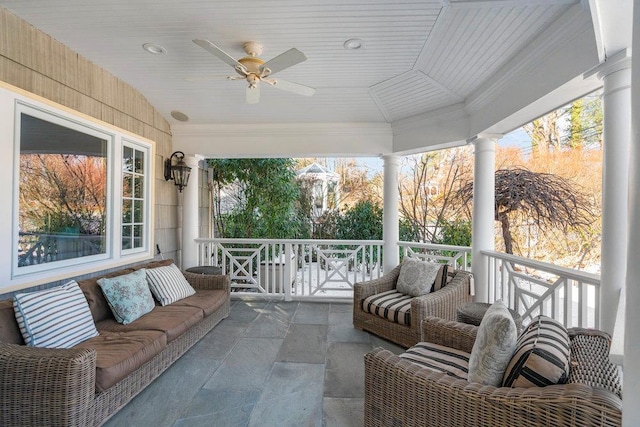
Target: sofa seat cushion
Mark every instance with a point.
(173, 320)
(121, 353)
(391, 305)
(438, 358)
(209, 300)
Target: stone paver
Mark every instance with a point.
(267, 364)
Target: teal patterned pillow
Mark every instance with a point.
(128, 296)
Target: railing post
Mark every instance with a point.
(287, 272)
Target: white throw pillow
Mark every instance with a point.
(54, 318)
(416, 277)
(494, 346)
(168, 284)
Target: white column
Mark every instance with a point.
(484, 184)
(190, 212)
(616, 77)
(391, 225)
(631, 390)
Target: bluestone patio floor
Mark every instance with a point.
(267, 364)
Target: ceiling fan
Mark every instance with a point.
(254, 70)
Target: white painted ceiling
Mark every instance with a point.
(418, 56)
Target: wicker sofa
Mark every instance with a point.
(402, 393)
(85, 385)
(442, 303)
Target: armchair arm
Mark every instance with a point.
(43, 386)
(449, 333)
(208, 281)
(398, 392)
(362, 290)
(444, 302)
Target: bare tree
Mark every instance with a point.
(545, 200)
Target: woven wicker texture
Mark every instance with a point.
(442, 303)
(400, 393)
(56, 387)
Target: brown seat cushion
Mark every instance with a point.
(209, 300)
(121, 353)
(9, 330)
(172, 319)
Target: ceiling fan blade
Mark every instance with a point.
(293, 87)
(253, 94)
(285, 60)
(219, 53)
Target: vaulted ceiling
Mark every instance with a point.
(417, 56)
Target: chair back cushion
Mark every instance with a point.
(417, 277)
(541, 357)
(494, 346)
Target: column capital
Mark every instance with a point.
(494, 136)
(618, 61)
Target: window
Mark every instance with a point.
(82, 193)
(134, 196)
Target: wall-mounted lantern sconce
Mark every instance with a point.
(178, 172)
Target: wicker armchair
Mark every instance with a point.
(442, 303)
(401, 393)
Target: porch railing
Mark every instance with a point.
(329, 269)
(532, 288)
(458, 256)
(293, 268)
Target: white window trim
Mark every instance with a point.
(13, 102)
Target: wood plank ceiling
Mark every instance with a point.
(418, 56)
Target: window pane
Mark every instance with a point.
(62, 202)
(127, 183)
(127, 159)
(126, 237)
(139, 188)
(126, 212)
(139, 162)
(138, 207)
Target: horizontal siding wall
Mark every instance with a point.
(33, 61)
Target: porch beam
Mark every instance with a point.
(390, 216)
(483, 236)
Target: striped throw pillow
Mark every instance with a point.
(390, 305)
(54, 318)
(168, 284)
(439, 359)
(541, 357)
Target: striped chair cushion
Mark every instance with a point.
(391, 305)
(541, 357)
(168, 284)
(54, 318)
(439, 359)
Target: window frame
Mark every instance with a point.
(16, 277)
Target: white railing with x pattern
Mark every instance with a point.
(457, 256)
(293, 268)
(533, 288)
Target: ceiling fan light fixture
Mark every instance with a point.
(353, 44)
(154, 49)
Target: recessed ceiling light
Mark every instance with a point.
(353, 44)
(179, 116)
(155, 49)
